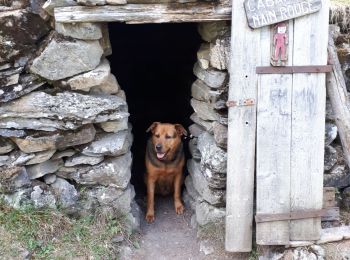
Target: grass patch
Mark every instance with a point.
(253, 255)
(212, 231)
(50, 234)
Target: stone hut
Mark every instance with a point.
(66, 131)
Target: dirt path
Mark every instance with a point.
(172, 237)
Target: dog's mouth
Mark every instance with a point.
(161, 156)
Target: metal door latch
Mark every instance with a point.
(240, 103)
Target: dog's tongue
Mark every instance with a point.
(160, 155)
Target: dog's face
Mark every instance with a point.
(165, 139)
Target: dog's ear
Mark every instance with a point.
(152, 127)
(180, 130)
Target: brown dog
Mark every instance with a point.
(165, 160)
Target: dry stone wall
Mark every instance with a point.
(337, 173)
(64, 133)
(206, 182)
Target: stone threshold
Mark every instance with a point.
(328, 235)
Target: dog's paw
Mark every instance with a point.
(179, 208)
(150, 217)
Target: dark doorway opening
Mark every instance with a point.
(153, 64)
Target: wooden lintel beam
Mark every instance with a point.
(145, 13)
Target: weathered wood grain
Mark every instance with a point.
(265, 12)
(245, 56)
(273, 147)
(301, 214)
(308, 124)
(327, 214)
(339, 98)
(145, 13)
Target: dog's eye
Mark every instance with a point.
(157, 136)
(167, 137)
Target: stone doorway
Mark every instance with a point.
(154, 66)
(165, 72)
(177, 73)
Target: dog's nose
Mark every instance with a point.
(158, 147)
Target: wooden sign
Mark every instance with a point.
(279, 44)
(265, 12)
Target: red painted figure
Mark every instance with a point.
(280, 40)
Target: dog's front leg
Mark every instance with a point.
(150, 200)
(179, 208)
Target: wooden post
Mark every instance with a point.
(339, 98)
(308, 122)
(245, 56)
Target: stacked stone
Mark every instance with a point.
(334, 163)
(342, 42)
(336, 171)
(206, 182)
(64, 134)
(343, 48)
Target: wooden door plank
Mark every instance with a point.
(273, 147)
(245, 56)
(308, 122)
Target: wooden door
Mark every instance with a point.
(285, 125)
(290, 136)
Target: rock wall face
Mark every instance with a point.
(206, 182)
(337, 173)
(342, 42)
(64, 133)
